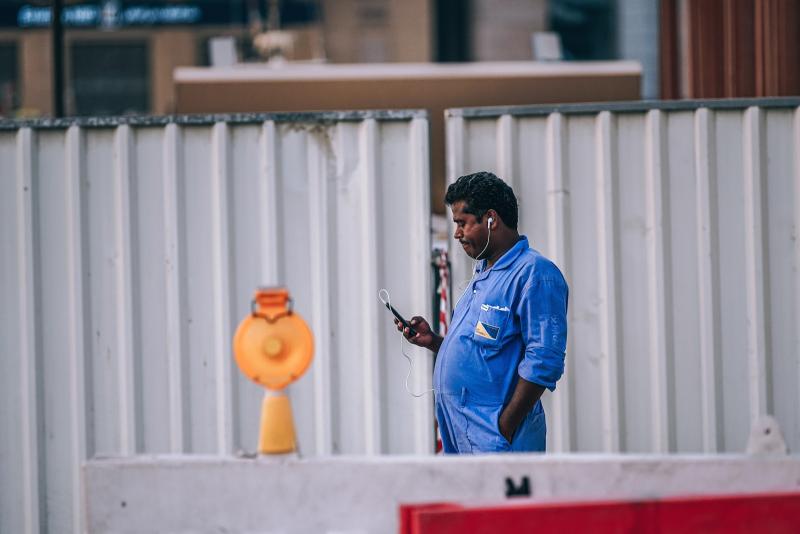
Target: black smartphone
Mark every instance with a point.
(400, 318)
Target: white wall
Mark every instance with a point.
(130, 252)
(676, 229)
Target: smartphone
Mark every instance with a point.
(400, 318)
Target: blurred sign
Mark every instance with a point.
(110, 14)
(126, 13)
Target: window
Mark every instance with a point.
(110, 78)
(9, 79)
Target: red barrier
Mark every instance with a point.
(770, 513)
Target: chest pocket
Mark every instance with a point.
(491, 325)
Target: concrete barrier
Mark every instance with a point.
(349, 494)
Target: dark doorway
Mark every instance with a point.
(586, 28)
(9, 79)
(453, 30)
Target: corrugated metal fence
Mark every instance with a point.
(129, 251)
(676, 225)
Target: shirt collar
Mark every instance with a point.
(507, 259)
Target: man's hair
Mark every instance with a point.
(481, 192)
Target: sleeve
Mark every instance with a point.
(542, 312)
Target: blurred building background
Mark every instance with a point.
(130, 250)
(119, 55)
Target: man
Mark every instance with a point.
(508, 333)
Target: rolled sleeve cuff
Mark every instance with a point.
(542, 366)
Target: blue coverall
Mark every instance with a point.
(511, 322)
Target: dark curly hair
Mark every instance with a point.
(481, 192)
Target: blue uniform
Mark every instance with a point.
(511, 322)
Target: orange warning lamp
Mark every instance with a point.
(273, 346)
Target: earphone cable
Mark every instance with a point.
(388, 302)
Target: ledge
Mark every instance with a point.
(320, 117)
(635, 106)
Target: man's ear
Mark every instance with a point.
(492, 219)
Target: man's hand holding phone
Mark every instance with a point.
(417, 331)
(425, 337)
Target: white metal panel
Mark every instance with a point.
(555, 223)
(129, 252)
(676, 227)
(684, 236)
(659, 299)
(20, 401)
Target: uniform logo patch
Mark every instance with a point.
(486, 330)
(487, 307)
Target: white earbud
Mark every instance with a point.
(489, 224)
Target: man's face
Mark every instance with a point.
(470, 231)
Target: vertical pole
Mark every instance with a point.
(670, 51)
(58, 59)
